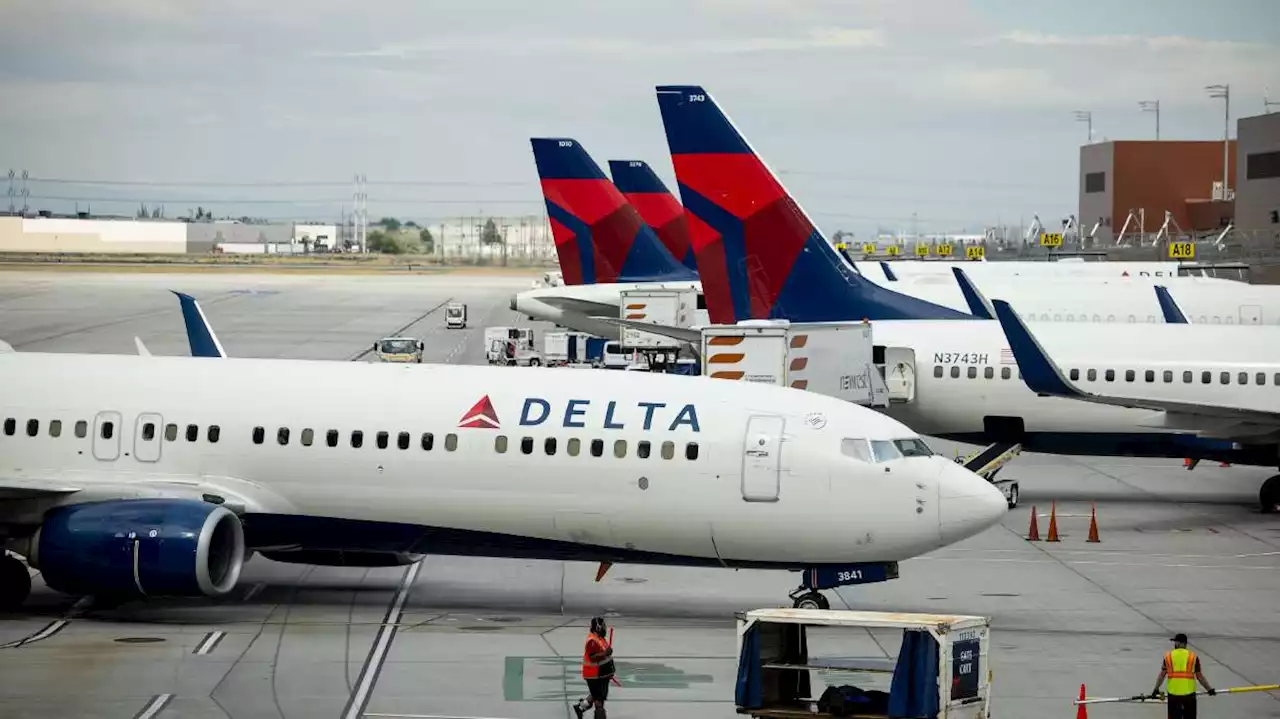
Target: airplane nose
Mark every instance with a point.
(968, 504)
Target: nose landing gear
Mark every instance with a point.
(815, 579)
(1269, 495)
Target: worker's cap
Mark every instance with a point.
(1180, 638)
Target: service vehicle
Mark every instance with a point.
(670, 307)
(511, 346)
(455, 315)
(399, 349)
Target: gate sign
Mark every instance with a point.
(868, 248)
(1051, 239)
(1182, 250)
(893, 250)
(964, 669)
(974, 252)
(922, 250)
(944, 250)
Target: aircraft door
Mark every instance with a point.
(146, 437)
(900, 373)
(1250, 314)
(106, 436)
(762, 458)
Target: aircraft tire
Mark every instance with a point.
(1269, 495)
(1013, 497)
(811, 600)
(15, 583)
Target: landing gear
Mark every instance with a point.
(15, 582)
(808, 599)
(1269, 495)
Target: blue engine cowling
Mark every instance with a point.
(140, 547)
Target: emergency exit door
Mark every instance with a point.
(106, 436)
(1250, 314)
(762, 458)
(146, 437)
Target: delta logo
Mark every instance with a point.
(578, 413)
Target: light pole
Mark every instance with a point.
(1086, 116)
(1266, 102)
(1152, 106)
(1224, 92)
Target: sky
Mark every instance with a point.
(942, 115)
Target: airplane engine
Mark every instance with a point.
(140, 547)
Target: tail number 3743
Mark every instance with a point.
(697, 98)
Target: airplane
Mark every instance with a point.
(1108, 269)
(956, 379)
(127, 477)
(659, 209)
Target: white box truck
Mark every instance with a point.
(455, 316)
(674, 308)
(831, 358)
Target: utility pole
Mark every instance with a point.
(1152, 106)
(1224, 92)
(1086, 116)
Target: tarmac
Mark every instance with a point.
(459, 637)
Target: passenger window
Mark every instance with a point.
(1075, 375)
(382, 438)
(856, 448)
(884, 450)
(10, 426)
(308, 436)
(573, 446)
(500, 444)
(1111, 375)
(357, 438)
(937, 370)
(1128, 375)
(1071, 317)
(282, 436)
(1057, 317)
(82, 427)
(620, 448)
(1206, 377)
(1150, 375)
(258, 435)
(450, 442)
(955, 372)
(1260, 378)
(1097, 318)
(1277, 378)
(549, 445)
(1244, 378)
(428, 441)
(597, 447)
(331, 438)
(526, 445)
(1132, 318)
(33, 427)
(1225, 378)
(402, 440)
(1005, 373)
(1111, 318)
(1186, 377)
(55, 428)
(668, 450)
(1168, 376)
(108, 430)
(193, 433)
(972, 372)
(171, 432)
(989, 372)
(642, 449)
(213, 434)
(1093, 375)
(148, 432)
(691, 451)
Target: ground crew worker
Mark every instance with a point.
(597, 669)
(1181, 667)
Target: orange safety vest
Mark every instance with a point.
(1180, 670)
(594, 645)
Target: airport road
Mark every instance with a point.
(1180, 551)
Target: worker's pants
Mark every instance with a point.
(1182, 707)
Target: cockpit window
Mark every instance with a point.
(884, 450)
(856, 448)
(913, 448)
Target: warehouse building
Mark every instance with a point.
(1258, 177)
(1137, 182)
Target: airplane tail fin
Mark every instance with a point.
(759, 255)
(979, 305)
(657, 206)
(599, 236)
(200, 336)
(888, 272)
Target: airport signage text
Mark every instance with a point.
(576, 411)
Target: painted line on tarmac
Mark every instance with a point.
(427, 716)
(154, 707)
(53, 627)
(253, 591)
(363, 692)
(401, 330)
(209, 643)
(1271, 568)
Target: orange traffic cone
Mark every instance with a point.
(1093, 525)
(1187, 463)
(1033, 534)
(1082, 710)
(1053, 523)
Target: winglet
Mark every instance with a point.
(142, 349)
(1172, 312)
(888, 273)
(1039, 372)
(979, 306)
(204, 343)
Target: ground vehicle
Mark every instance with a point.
(455, 315)
(511, 346)
(671, 307)
(399, 349)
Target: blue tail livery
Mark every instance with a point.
(759, 255)
(599, 236)
(657, 206)
(978, 304)
(200, 336)
(1173, 314)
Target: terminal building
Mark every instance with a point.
(1258, 177)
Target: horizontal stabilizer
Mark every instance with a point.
(683, 334)
(579, 306)
(1172, 312)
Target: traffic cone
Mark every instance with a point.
(1053, 523)
(1093, 525)
(1186, 462)
(1082, 710)
(1224, 464)
(1033, 534)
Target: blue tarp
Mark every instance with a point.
(787, 686)
(914, 691)
(750, 690)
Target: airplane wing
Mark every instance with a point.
(1172, 312)
(979, 305)
(27, 488)
(1043, 376)
(142, 349)
(585, 307)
